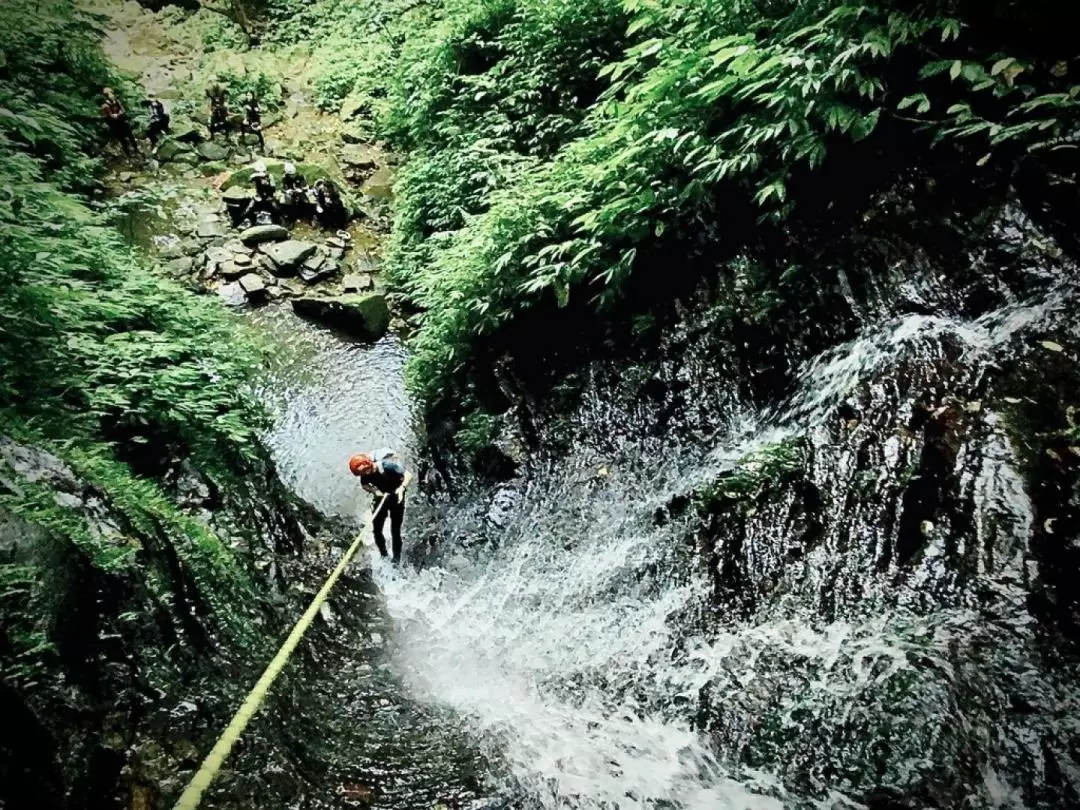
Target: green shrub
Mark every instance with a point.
(97, 350)
(555, 146)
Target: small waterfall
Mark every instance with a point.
(824, 642)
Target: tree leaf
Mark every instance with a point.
(910, 100)
(954, 71)
(1000, 65)
(1051, 345)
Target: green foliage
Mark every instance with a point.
(556, 147)
(94, 344)
(477, 432)
(52, 71)
(116, 370)
(754, 473)
(354, 45)
(267, 88)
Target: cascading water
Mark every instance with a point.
(596, 654)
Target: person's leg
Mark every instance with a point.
(397, 515)
(130, 144)
(377, 523)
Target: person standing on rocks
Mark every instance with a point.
(382, 476)
(218, 96)
(116, 119)
(159, 122)
(252, 124)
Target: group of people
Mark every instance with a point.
(116, 118)
(298, 199)
(322, 201)
(221, 121)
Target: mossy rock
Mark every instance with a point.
(212, 168)
(361, 315)
(170, 150)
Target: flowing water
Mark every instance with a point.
(588, 648)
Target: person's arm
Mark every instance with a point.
(405, 482)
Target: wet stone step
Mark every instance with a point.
(253, 287)
(210, 228)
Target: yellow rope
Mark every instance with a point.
(191, 796)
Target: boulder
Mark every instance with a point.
(262, 234)
(365, 316)
(233, 294)
(292, 287)
(323, 270)
(359, 158)
(286, 257)
(253, 287)
(191, 246)
(187, 132)
(171, 249)
(315, 261)
(354, 105)
(231, 270)
(181, 266)
(170, 150)
(126, 177)
(211, 169)
(236, 246)
(208, 150)
(354, 133)
(358, 282)
(216, 257)
(380, 185)
(210, 228)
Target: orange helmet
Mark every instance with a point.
(361, 464)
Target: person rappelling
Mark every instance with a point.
(381, 475)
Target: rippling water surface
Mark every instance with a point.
(332, 398)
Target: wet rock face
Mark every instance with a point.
(120, 690)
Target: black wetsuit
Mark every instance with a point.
(263, 199)
(159, 121)
(333, 212)
(388, 480)
(253, 122)
(219, 110)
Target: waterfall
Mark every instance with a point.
(829, 645)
